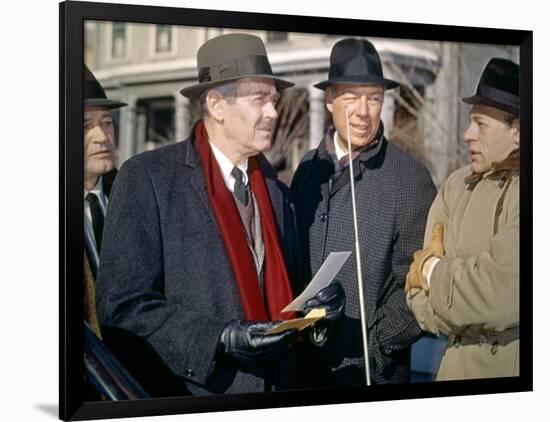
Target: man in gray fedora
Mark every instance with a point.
(200, 243)
(393, 195)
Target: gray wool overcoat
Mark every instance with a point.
(165, 280)
(393, 193)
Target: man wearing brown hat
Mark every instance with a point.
(393, 195)
(465, 282)
(200, 243)
(99, 174)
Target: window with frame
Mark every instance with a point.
(156, 122)
(119, 43)
(163, 39)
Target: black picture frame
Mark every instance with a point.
(71, 18)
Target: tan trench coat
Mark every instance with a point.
(474, 289)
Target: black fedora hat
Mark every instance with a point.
(94, 95)
(355, 61)
(498, 86)
(230, 57)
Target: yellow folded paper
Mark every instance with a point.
(300, 323)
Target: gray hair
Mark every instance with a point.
(228, 91)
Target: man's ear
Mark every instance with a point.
(515, 134)
(215, 105)
(329, 96)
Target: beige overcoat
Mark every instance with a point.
(474, 289)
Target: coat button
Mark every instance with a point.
(189, 373)
(494, 348)
(323, 217)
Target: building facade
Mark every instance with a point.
(146, 65)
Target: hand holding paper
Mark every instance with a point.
(320, 299)
(332, 299)
(332, 265)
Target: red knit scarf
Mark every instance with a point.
(276, 283)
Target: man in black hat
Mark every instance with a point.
(465, 282)
(200, 243)
(99, 174)
(393, 195)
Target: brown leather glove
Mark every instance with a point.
(414, 277)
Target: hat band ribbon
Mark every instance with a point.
(244, 66)
(359, 66)
(500, 96)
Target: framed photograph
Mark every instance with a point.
(141, 73)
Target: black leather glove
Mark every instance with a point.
(244, 342)
(333, 299)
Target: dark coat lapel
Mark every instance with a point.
(364, 160)
(108, 180)
(359, 164)
(274, 191)
(321, 173)
(197, 177)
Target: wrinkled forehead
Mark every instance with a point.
(485, 112)
(96, 112)
(256, 86)
(358, 89)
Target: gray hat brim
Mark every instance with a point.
(196, 90)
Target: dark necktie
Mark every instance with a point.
(240, 190)
(97, 218)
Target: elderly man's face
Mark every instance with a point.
(364, 104)
(249, 120)
(490, 137)
(99, 144)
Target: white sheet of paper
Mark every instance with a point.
(322, 279)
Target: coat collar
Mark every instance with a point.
(499, 171)
(108, 180)
(366, 153)
(503, 171)
(368, 157)
(192, 158)
(197, 179)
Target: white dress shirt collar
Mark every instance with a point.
(98, 191)
(226, 166)
(337, 148)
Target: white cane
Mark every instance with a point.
(358, 259)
